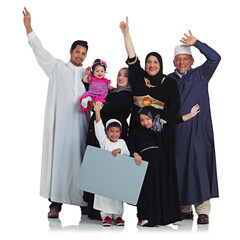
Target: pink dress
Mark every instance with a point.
(98, 90)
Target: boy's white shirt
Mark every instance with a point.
(101, 203)
(105, 142)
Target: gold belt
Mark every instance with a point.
(143, 101)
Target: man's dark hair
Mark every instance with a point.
(81, 43)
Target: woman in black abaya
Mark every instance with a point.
(118, 106)
(152, 88)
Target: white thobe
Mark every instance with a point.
(101, 203)
(65, 127)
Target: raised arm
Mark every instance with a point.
(194, 111)
(98, 125)
(213, 58)
(44, 58)
(27, 20)
(188, 40)
(97, 107)
(127, 39)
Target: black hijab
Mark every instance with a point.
(154, 114)
(156, 79)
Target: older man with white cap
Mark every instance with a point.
(195, 151)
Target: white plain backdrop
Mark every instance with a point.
(155, 25)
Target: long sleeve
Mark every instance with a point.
(100, 133)
(124, 149)
(132, 147)
(44, 58)
(213, 59)
(136, 72)
(170, 112)
(178, 120)
(86, 85)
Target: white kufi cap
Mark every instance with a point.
(113, 120)
(182, 50)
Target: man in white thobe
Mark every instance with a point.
(65, 127)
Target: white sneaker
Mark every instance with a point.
(143, 222)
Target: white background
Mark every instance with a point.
(154, 26)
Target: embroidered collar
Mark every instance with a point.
(77, 72)
(148, 83)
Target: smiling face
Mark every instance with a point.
(122, 78)
(113, 133)
(78, 55)
(99, 72)
(183, 62)
(145, 121)
(152, 66)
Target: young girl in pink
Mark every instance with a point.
(98, 85)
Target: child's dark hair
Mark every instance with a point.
(114, 124)
(99, 62)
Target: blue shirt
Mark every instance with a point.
(194, 150)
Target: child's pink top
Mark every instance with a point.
(98, 87)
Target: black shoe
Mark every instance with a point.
(203, 219)
(84, 210)
(188, 216)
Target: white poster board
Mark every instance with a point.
(118, 178)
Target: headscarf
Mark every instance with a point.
(122, 88)
(156, 79)
(152, 113)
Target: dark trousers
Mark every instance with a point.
(92, 213)
(84, 210)
(55, 205)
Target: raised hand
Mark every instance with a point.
(97, 106)
(127, 39)
(195, 110)
(188, 40)
(124, 26)
(27, 20)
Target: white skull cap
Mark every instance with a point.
(111, 121)
(182, 50)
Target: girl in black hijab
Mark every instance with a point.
(157, 203)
